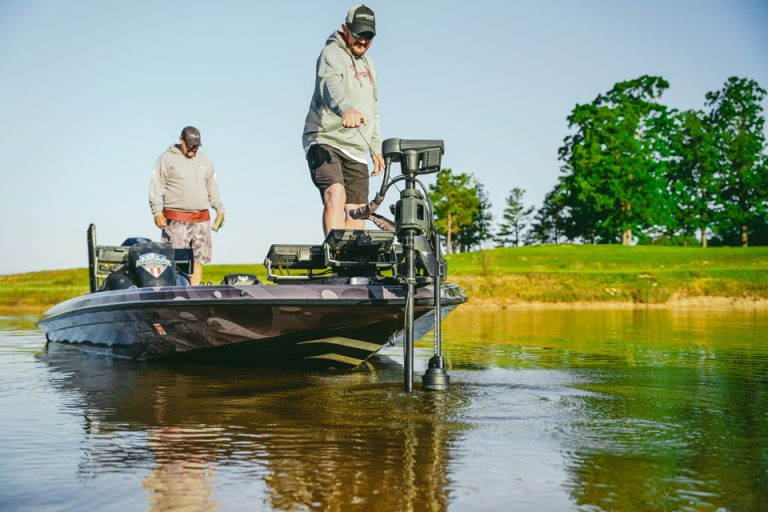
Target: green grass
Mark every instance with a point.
(603, 258)
(643, 274)
(562, 273)
(37, 291)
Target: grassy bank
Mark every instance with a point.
(548, 274)
(645, 274)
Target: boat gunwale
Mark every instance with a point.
(245, 301)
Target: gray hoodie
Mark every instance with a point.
(181, 183)
(343, 81)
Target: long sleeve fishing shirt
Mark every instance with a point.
(181, 183)
(343, 81)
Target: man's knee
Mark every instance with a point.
(335, 196)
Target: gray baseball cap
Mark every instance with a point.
(191, 136)
(361, 20)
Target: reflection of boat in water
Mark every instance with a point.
(289, 439)
(333, 304)
(340, 318)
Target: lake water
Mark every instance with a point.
(547, 410)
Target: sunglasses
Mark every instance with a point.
(364, 35)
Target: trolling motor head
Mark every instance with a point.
(412, 211)
(415, 156)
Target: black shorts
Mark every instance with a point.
(328, 165)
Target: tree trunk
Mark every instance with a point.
(744, 235)
(626, 237)
(704, 237)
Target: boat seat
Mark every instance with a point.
(105, 259)
(111, 258)
(235, 279)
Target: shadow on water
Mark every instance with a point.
(325, 440)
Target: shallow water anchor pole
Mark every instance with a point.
(410, 292)
(436, 378)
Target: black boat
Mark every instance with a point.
(334, 304)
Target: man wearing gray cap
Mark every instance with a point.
(183, 188)
(342, 125)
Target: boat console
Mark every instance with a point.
(138, 262)
(344, 253)
(348, 253)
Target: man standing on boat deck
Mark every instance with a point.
(342, 125)
(183, 188)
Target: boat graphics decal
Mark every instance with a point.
(198, 327)
(154, 263)
(346, 342)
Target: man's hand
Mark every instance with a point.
(160, 221)
(378, 164)
(218, 222)
(352, 118)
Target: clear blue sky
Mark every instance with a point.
(91, 92)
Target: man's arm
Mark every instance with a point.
(214, 197)
(330, 73)
(157, 192)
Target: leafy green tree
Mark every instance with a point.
(738, 124)
(692, 179)
(614, 163)
(479, 230)
(455, 202)
(549, 222)
(516, 217)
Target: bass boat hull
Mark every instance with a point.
(313, 324)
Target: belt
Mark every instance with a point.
(182, 216)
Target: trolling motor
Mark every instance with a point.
(416, 232)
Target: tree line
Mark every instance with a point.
(634, 170)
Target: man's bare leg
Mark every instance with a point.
(197, 274)
(333, 207)
(351, 223)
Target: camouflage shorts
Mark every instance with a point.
(196, 235)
